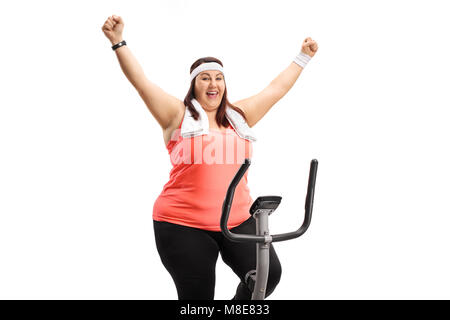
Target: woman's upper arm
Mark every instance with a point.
(258, 105)
(163, 106)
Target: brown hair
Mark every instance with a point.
(220, 115)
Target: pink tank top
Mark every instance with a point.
(203, 167)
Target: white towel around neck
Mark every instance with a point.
(191, 127)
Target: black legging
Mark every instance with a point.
(190, 255)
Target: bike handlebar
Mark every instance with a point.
(274, 238)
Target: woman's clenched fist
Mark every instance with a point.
(309, 47)
(113, 28)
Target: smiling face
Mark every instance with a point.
(209, 89)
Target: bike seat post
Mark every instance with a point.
(262, 253)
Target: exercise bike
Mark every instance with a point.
(261, 208)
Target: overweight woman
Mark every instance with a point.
(207, 138)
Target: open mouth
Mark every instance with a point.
(212, 94)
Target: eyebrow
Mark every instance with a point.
(209, 74)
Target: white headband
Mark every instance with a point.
(206, 66)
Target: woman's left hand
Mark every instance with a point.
(309, 47)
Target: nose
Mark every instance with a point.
(213, 83)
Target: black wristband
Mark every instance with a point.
(118, 45)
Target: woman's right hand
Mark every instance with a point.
(113, 29)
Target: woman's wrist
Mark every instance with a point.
(302, 59)
(118, 45)
(116, 40)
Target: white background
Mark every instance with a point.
(83, 160)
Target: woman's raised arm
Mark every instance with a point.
(258, 105)
(164, 107)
